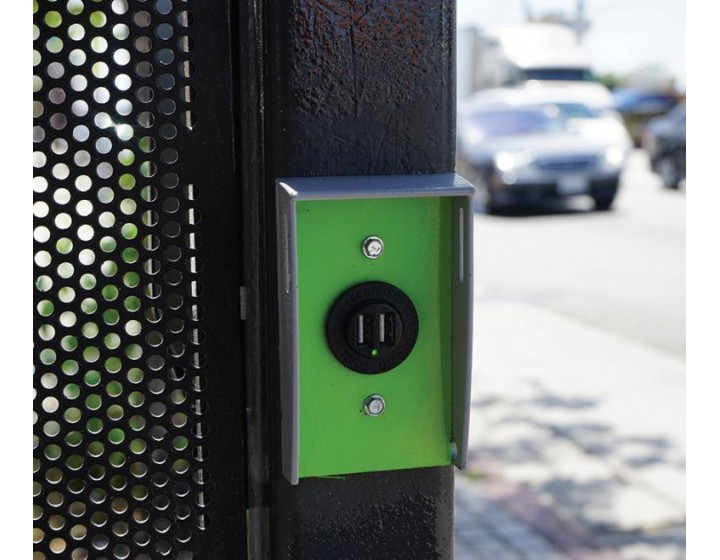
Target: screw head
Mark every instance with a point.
(373, 247)
(374, 405)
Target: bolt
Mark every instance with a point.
(373, 247)
(374, 405)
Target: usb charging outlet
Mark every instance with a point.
(372, 327)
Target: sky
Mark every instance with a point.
(624, 34)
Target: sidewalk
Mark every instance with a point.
(501, 521)
(576, 443)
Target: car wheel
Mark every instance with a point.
(605, 197)
(603, 204)
(485, 199)
(668, 171)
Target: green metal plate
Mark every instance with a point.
(336, 437)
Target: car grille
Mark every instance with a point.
(566, 163)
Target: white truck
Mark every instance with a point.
(526, 55)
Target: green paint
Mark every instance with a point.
(336, 437)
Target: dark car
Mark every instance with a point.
(664, 140)
(638, 107)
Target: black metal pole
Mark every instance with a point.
(355, 88)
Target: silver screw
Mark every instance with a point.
(373, 247)
(374, 405)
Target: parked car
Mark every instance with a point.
(664, 139)
(638, 107)
(521, 149)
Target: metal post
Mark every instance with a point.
(356, 88)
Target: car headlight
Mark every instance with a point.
(509, 161)
(614, 157)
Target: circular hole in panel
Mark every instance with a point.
(78, 83)
(144, 69)
(39, 160)
(101, 95)
(98, 19)
(99, 44)
(77, 57)
(164, 31)
(72, 415)
(137, 423)
(78, 533)
(53, 19)
(99, 518)
(110, 293)
(75, 7)
(117, 458)
(83, 183)
(113, 364)
(77, 509)
(41, 233)
(40, 184)
(54, 45)
(56, 96)
(55, 70)
(121, 31)
(70, 367)
(105, 195)
(168, 131)
(46, 332)
(166, 82)
(163, 6)
(123, 107)
(95, 449)
(103, 145)
(100, 70)
(84, 208)
(65, 270)
(123, 82)
(119, 6)
(165, 56)
(58, 546)
(63, 221)
(92, 378)
(115, 412)
(38, 109)
(131, 280)
(118, 483)
(143, 44)
(136, 399)
(86, 257)
(88, 281)
(107, 219)
(124, 132)
(111, 317)
(142, 19)
(104, 170)
(59, 146)
(146, 119)
(80, 108)
(89, 306)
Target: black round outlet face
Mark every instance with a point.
(372, 327)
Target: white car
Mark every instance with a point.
(521, 147)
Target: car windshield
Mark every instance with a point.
(509, 122)
(569, 110)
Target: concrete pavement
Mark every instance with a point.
(577, 431)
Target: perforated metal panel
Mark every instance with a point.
(138, 393)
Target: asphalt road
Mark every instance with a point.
(622, 270)
(579, 362)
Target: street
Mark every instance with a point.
(578, 411)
